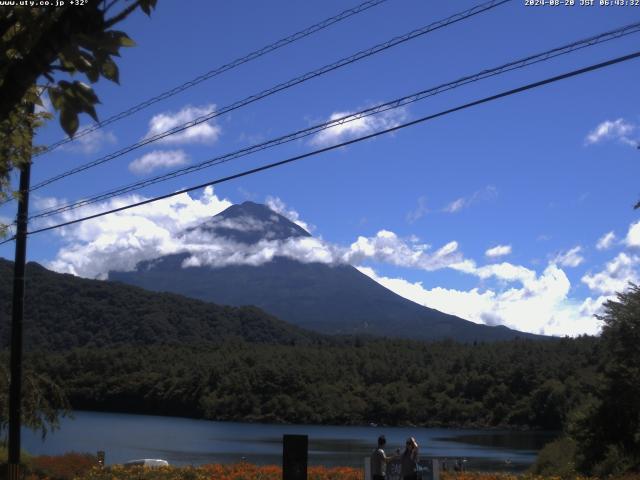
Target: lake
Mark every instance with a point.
(184, 441)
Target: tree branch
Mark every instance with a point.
(122, 15)
(60, 68)
(111, 4)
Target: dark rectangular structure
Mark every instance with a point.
(294, 457)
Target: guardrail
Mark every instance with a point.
(428, 468)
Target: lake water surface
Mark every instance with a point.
(184, 441)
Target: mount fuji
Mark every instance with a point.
(241, 259)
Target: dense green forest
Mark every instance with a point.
(354, 381)
(116, 347)
(113, 347)
(65, 311)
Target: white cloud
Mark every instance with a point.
(593, 306)
(570, 258)
(520, 298)
(606, 241)
(498, 251)
(278, 206)
(158, 159)
(541, 306)
(616, 275)
(619, 130)
(91, 142)
(487, 193)
(5, 222)
(387, 247)
(504, 272)
(420, 211)
(455, 206)
(122, 240)
(218, 252)
(119, 241)
(633, 235)
(205, 132)
(343, 131)
(241, 224)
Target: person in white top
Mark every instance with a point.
(379, 460)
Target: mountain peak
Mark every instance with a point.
(249, 223)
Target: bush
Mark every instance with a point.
(25, 458)
(4, 455)
(557, 458)
(615, 462)
(61, 467)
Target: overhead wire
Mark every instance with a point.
(423, 119)
(217, 71)
(10, 239)
(396, 103)
(480, 8)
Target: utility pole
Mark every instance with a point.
(17, 314)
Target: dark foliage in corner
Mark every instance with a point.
(607, 426)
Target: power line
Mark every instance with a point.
(399, 102)
(10, 239)
(507, 93)
(282, 86)
(217, 71)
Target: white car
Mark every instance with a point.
(147, 462)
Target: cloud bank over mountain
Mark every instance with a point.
(505, 293)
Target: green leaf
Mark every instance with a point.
(90, 109)
(65, 61)
(110, 70)
(31, 96)
(123, 39)
(93, 75)
(87, 41)
(55, 95)
(85, 93)
(84, 61)
(69, 121)
(148, 5)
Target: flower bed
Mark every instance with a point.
(238, 471)
(75, 466)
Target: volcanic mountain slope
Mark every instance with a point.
(324, 297)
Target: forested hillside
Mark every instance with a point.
(521, 383)
(118, 347)
(64, 311)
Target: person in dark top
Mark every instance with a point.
(409, 460)
(379, 460)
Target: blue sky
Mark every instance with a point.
(516, 212)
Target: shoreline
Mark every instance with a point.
(267, 421)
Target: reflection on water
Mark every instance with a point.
(184, 441)
(508, 439)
